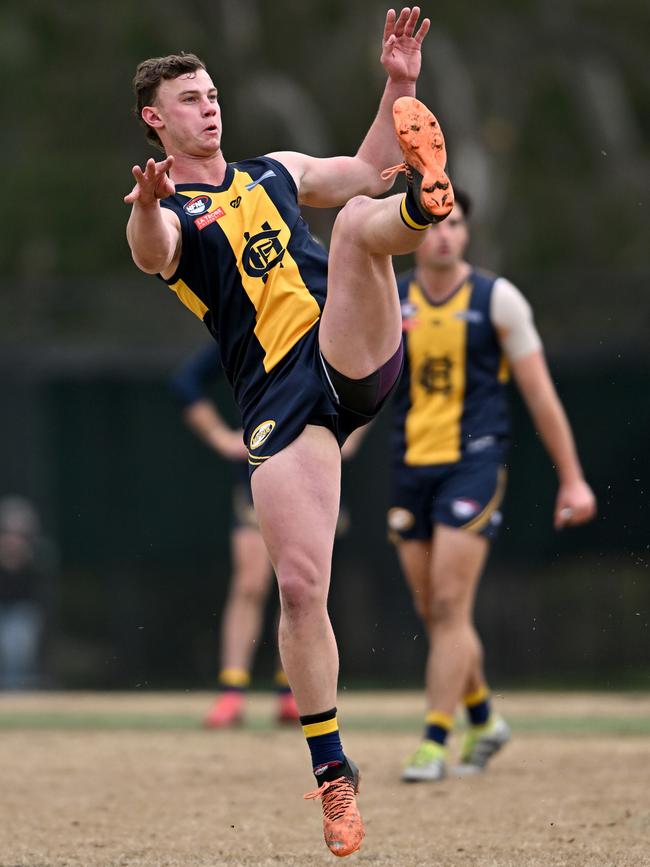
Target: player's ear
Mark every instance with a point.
(151, 117)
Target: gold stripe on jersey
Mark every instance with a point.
(436, 345)
(189, 299)
(478, 523)
(285, 308)
(504, 370)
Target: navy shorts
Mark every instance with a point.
(466, 495)
(307, 390)
(243, 511)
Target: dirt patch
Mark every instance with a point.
(84, 798)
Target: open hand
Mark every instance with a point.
(151, 184)
(401, 54)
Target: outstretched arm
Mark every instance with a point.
(153, 233)
(331, 182)
(575, 502)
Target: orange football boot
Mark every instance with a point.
(425, 157)
(342, 824)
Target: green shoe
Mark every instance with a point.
(480, 744)
(426, 764)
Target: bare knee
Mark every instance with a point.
(448, 608)
(303, 588)
(348, 220)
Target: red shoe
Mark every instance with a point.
(342, 824)
(226, 712)
(287, 708)
(425, 157)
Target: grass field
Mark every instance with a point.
(110, 780)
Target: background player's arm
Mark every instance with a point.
(512, 316)
(153, 233)
(331, 182)
(199, 412)
(203, 418)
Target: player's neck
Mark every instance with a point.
(439, 283)
(188, 169)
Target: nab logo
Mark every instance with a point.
(262, 252)
(197, 206)
(235, 203)
(435, 375)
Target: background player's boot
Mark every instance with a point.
(427, 764)
(342, 824)
(425, 158)
(287, 711)
(226, 712)
(480, 744)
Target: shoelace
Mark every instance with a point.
(340, 797)
(387, 174)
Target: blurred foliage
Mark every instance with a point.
(546, 104)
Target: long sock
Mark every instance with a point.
(477, 705)
(437, 728)
(234, 680)
(411, 214)
(324, 742)
(281, 682)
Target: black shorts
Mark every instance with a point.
(466, 495)
(307, 390)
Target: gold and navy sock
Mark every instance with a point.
(411, 214)
(477, 705)
(324, 742)
(438, 726)
(233, 680)
(281, 682)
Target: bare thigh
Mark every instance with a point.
(458, 558)
(361, 324)
(251, 565)
(296, 495)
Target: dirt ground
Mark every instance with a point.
(117, 780)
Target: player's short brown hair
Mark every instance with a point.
(147, 78)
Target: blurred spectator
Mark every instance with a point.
(25, 570)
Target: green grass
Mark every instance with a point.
(550, 725)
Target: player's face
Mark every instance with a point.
(190, 114)
(444, 244)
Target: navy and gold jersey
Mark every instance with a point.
(451, 399)
(249, 269)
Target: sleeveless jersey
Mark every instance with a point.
(451, 398)
(249, 269)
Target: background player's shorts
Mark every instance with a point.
(466, 495)
(302, 391)
(243, 511)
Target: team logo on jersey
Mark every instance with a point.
(464, 508)
(197, 206)
(400, 519)
(207, 219)
(262, 252)
(435, 374)
(261, 434)
(235, 203)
